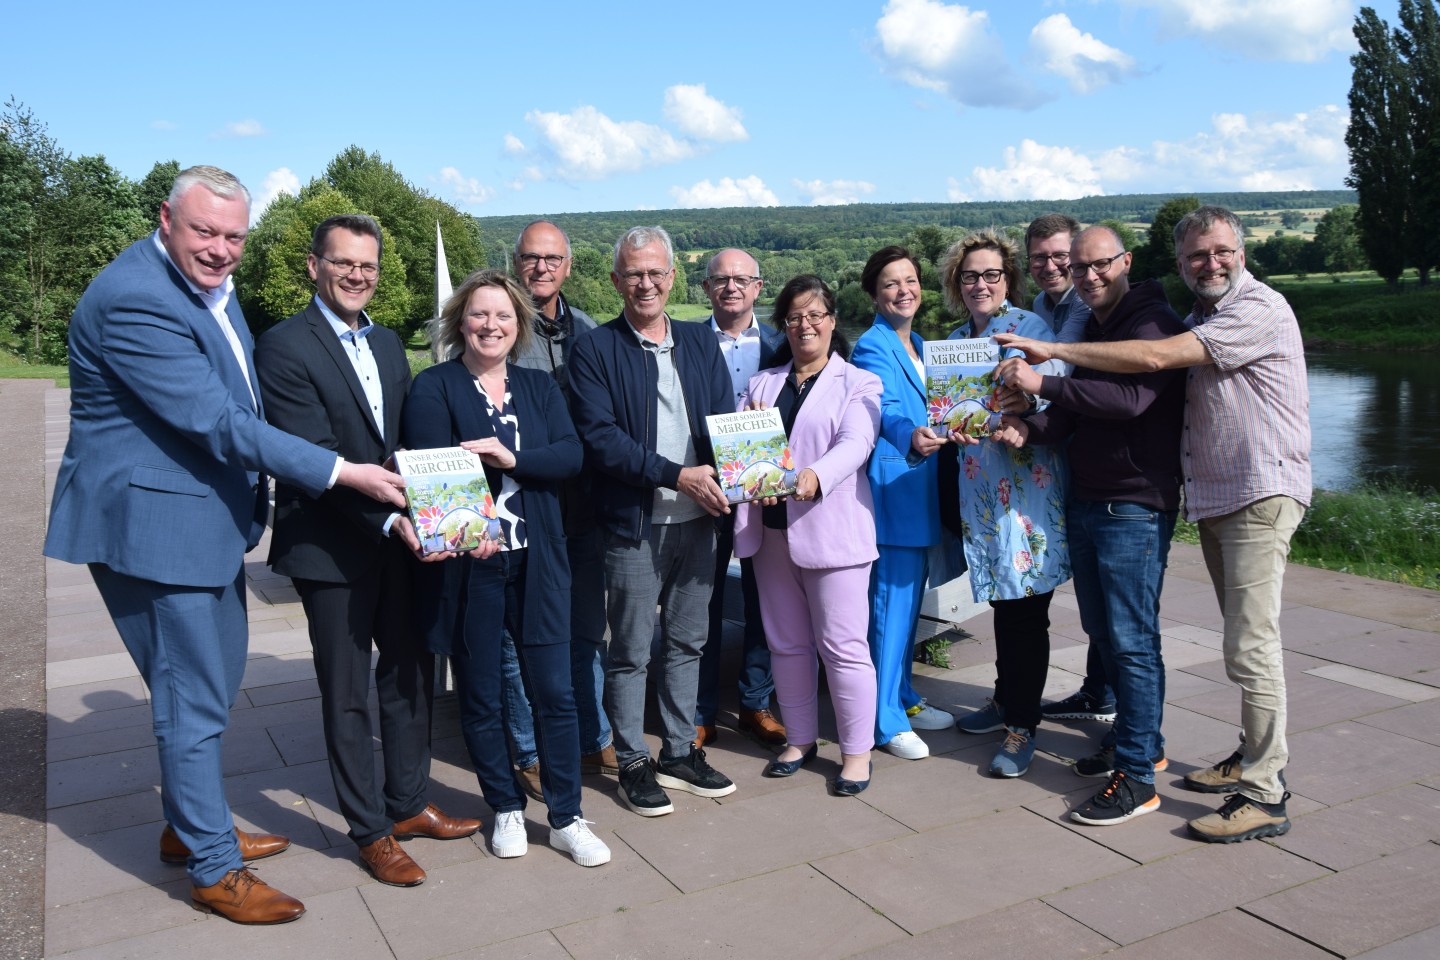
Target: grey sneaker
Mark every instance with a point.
(987, 719)
(1242, 819)
(692, 774)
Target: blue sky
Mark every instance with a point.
(561, 107)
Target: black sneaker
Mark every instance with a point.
(693, 775)
(1102, 764)
(1123, 798)
(1078, 706)
(640, 792)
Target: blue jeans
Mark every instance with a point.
(1118, 552)
(756, 682)
(587, 656)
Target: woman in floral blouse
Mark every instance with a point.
(1013, 506)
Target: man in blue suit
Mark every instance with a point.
(732, 282)
(161, 491)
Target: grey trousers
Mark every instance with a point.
(674, 568)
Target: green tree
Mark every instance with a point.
(1417, 42)
(1157, 258)
(155, 189)
(1292, 219)
(1124, 231)
(1337, 240)
(1381, 151)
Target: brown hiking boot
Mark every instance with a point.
(1220, 778)
(529, 780)
(1242, 819)
(601, 761)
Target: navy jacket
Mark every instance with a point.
(613, 381)
(444, 408)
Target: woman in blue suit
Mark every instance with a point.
(903, 483)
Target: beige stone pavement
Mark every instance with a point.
(935, 860)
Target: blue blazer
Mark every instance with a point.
(163, 476)
(906, 494)
(444, 408)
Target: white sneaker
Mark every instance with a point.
(508, 838)
(908, 746)
(925, 717)
(583, 846)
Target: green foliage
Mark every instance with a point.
(1364, 315)
(1337, 240)
(155, 189)
(1292, 219)
(1128, 238)
(589, 286)
(1376, 531)
(1157, 258)
(1286, 255)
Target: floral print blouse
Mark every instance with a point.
(1012, 501)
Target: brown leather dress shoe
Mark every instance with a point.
(432, 822)
(253, 846)
(529, 780)
(242, 897)
(762, 725)
(705, 733)
(601, 761)
(388, 862)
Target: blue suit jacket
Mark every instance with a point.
(906, 495)
(162, 478)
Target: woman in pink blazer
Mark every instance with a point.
(813, 550)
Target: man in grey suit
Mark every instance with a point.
(162, 489)
(332, 376)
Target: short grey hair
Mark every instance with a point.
(638, 237)
(1202, 219)
(549, 223)
(222, 183)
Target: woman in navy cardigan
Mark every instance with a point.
(516, 420)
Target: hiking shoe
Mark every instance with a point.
(907, 745)
(583, 846)
(508, 838)
(1102, 764)
(1242, 819)
(925, 717)
(1079, 706)
(987, 719)
(529, 780)
(1015, 753)
(1220, 778)
(640, 792)
(692, 774)
(1123, 798)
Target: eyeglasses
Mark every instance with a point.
(656, 277)
(532, 260)
(741, 282)
(1101, 266)
(345, 268)
(1223, 256)
(813, 319)
(1039, 260)
(968, 277)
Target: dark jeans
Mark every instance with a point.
(1022, 657)
(1118, 552)
(495, 604)
(756, 682)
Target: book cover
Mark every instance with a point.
(960, 386)
(448, 498)
(752, 454)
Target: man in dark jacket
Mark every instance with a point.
(1124, 495)
(643, 385)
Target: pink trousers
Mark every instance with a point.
(824, 612)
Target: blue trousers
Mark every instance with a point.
(897, 582)
(189, 644)
(1118, 552)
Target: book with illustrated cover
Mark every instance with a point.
(449, 498)
(752, 454)
(960, 386)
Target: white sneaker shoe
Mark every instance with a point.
(908, 746)
(508, 838)
(583, 846)
(925, 717)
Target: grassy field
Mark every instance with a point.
(1360, 311)
(13, 368)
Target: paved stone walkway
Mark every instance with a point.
(935, 860)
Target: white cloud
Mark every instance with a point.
(466, 190)
(1305, 151)
(162, 125)
(1297, 30)
(951, 50)
(588, 145)
(697, 114)
(824, 193)
(746, 192)
(513, 144)
(1085, 62)
(243, 128)
(276, 182)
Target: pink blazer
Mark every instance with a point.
(834, 434)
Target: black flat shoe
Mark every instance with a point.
(785, 768)
(849, 788)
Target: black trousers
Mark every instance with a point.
(344, 620)
(1022, 657)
